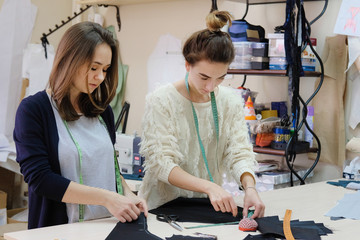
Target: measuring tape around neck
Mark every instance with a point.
(117, 170)
(216, 123)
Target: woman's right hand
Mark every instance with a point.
(125, 209)
(221, 199)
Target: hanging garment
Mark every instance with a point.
(329, 103)
(135, 230)
(117, 102)
(196, 210)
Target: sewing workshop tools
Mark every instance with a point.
(171, 219)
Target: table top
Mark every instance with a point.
(307, 202)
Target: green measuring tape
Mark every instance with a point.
(117, 170)
(216, 123)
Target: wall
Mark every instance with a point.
(143, 24)
(49, 13)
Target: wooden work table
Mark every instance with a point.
(307, 202)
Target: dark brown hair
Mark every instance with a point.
(75, 49)
(211, 44)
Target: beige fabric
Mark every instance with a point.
(169, 139)
(329, 102)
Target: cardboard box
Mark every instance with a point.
(13, 212)
(3, 199)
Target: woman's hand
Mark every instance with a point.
(252, 199)
(221, 199)
(125, 209)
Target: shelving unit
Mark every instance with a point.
(291, 152)
(267, 150)
(267, 72)
(262, 2)
(121, 2)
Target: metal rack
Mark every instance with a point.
(294, 72)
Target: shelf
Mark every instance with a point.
(268, 72)
(258, 2)
(120, 2)
(267, 150)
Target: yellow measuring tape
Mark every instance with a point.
(286, 225)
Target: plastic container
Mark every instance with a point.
(308, 64)
(276, 45)
(277, 63)
(260, 49)
(308, 137)
(243, 48)
(259, 63)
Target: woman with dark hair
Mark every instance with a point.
(65, 136)
(194, 130)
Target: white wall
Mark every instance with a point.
(143, 24)
(49, 13)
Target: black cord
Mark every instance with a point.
(246, 10)
(213, 5)
(124, 112)
(290, 152)
(244, 81)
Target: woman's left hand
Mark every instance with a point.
(252, 199)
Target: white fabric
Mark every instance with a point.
(166, 53)
(17, 18)
(169, 139)
(36, 67)
(354, 77)
(97, 152)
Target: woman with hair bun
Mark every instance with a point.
(194, 130)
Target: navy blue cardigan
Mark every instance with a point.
(36, 140)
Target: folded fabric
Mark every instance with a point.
(342, 183)
(135, 230)
(196, 210)
(273, 227)
(182, 237)
(260, 237)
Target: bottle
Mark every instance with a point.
(308, 137)
(250, 119)
(249, 110)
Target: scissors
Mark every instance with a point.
(171, 219)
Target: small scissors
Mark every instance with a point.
(171, 219)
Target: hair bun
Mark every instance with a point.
(218, 19)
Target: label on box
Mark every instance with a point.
(308, 53)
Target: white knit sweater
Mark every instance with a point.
(169, 139)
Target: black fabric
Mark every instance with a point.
(260, 237)
(272, 226)
(196, 210)
(238, 31)
(182, 237)
(342, 183)
(136, 230)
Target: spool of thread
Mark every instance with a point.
(269, 113)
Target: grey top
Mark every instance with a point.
(97, 160)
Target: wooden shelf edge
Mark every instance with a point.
(268, 72)
(267, 150)
(261, 2)
(120, 2)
